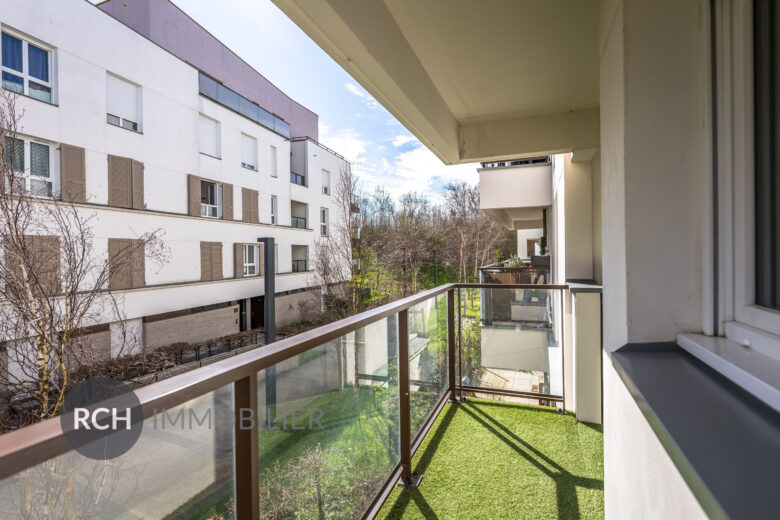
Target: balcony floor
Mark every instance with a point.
(496, 460)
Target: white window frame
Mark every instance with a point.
(25, 74)
(251, 268)
(739, 318)
(54, 166)
(324, 222)
(115, 120)
(253, 165)
(276, 258)
(274, 162)
(212, 210)
(217, 144)
(325, 182)
(274, 209)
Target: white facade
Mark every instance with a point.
(90, 54)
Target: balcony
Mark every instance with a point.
(343, 409)
(516, 195)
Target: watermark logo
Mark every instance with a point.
(102, 418)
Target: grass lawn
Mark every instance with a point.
(495, 460)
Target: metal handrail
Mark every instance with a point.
(32, 445)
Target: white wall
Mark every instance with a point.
(523, 235)
(88, 44)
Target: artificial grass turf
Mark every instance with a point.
(496, 460)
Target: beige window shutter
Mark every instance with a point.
(246, 205)
(137, 179)
(119, 183)
(227, 201)
(205, 261)
(261, 252)
(45, 261)
(238, 260)
(193, 194)
(255, 217)
(120, 264)
(73, 174)
(138, 271)
(216, 260)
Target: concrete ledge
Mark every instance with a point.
(724, 441)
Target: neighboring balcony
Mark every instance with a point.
(299, 214)
(348, 409)
(300, 259)
(516, 195)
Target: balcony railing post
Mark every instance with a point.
(246, 455)
(408, 478)
(451, 343)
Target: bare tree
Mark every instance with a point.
(54, 281)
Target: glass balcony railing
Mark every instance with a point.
(298, 222)
(299, 266)
(318, 425)
(297, 179)
(238, 103)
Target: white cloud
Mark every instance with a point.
(346, 141)
(402, 139)
(418, 170)
(365, 98)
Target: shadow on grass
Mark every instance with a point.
(565, 482)
(407, 495)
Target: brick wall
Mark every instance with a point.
(192, 328)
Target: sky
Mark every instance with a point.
(351, 122)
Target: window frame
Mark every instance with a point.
(274, 161)
(26, 172)
(218, 137)
(136, 126)
(737, 316)
(274, 209)
(325, 182)
(25, 73)
(324, 222)
(254, 264)
(217, 200)
(248, 166)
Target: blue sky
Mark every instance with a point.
(352, 123)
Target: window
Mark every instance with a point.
(273, 209)
(248, 152)
(251, 260)
(123, 103)
(297, 179)
(324, 222)
(326, 182)
(276, 258)
(35, 164)
(274, 164)
(209, 136)
(26, 68)
(210, 199)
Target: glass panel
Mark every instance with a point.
(40, 92)
(265, 118)
(208, 193)
(247, 108)
(40, 188)
(208, 87)
(38, 61)
(282, 127)
(39, 159)
(14, 153)
(11, 82)
(227, 97)
(510, 340)
(12, 52)
(428, 375)
(329, 425)
(180, 467)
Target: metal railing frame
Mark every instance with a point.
(32, 445)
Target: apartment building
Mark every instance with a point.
(144, 135)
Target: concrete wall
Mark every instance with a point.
(595, 171)
(297, 306)
(579, 219)
(654, 96)
(523, 236)
(192, 328)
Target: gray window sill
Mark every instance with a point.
(724, 441)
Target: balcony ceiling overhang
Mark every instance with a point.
(473, 80)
